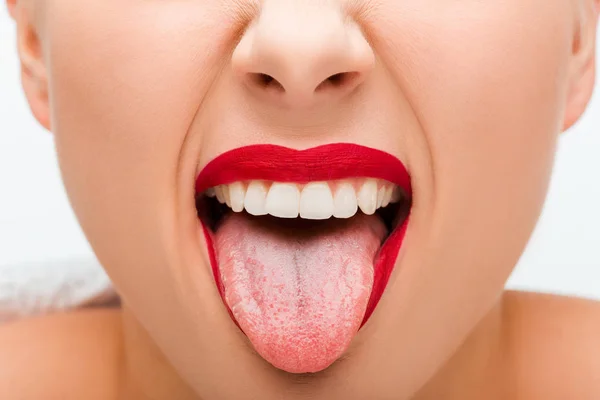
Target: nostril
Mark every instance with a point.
(266, 81)
(341, 83)
(339, 80)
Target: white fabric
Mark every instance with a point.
(30, 289)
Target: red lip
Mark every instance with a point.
(323, 163)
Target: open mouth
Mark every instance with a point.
(302, 243)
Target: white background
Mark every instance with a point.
(37, 225)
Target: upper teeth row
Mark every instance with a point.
(315, 200)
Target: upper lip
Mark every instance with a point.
(323, 163)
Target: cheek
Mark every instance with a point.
(487, 83)
(493, 137)
(127, 79)
(485, 80)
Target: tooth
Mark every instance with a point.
(380, 196)
(345, 203)
(236, 195)
(396, 195)
(283, 200)
(367, 197)
(226, 196)
(388, 195)
(219, 194)
(210, 192)
(256, 195)
(316, 201)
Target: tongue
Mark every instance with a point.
(298, 289)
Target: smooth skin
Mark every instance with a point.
(471, 95)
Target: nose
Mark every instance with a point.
(301, 55)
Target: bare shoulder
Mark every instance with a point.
(554, 342)
(63, 356)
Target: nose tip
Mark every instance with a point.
(302, 58)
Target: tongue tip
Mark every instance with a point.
(302, 365)
(301, 354)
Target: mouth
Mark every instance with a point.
(302, 244)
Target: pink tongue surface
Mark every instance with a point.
(298, 289)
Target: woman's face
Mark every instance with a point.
(469, 95)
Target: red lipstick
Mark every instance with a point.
(323, 163)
